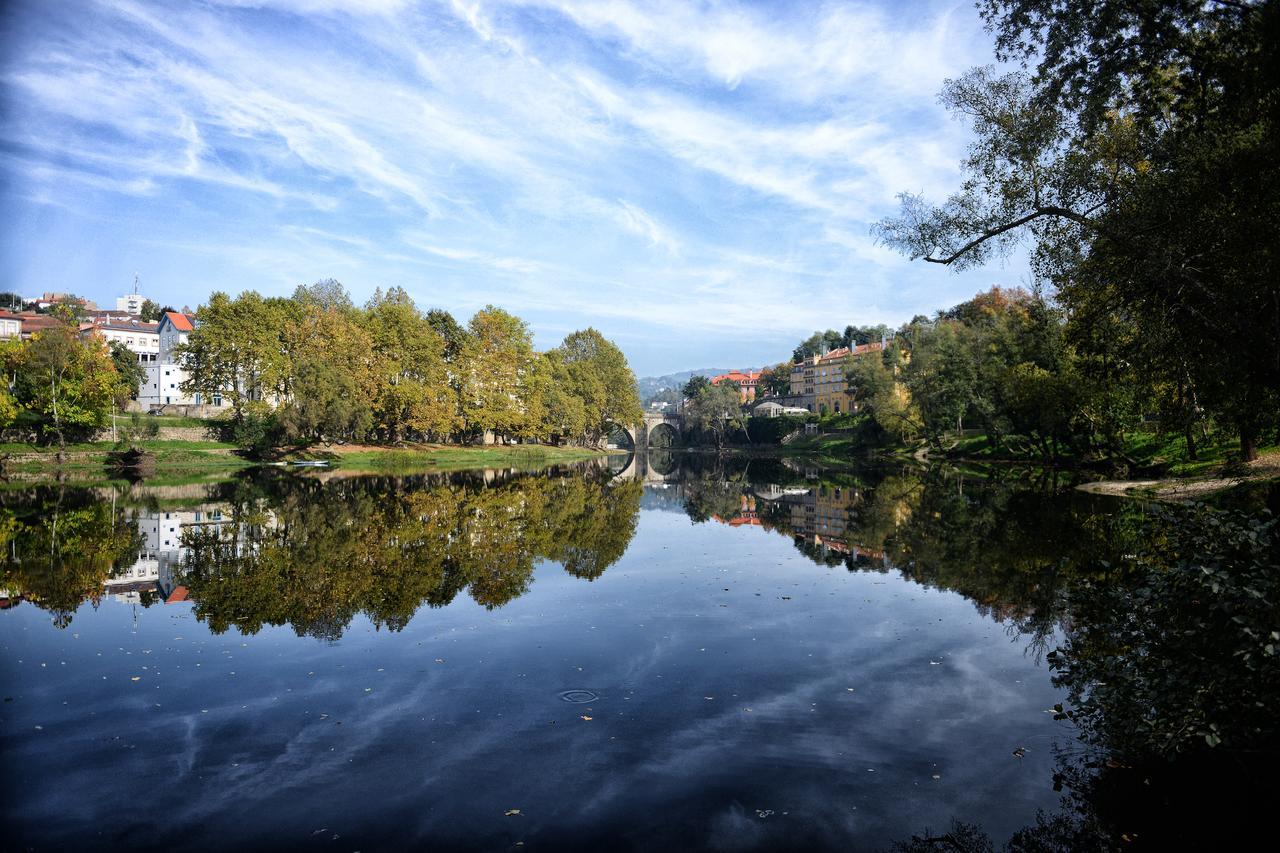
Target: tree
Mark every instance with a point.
(68, 382)
(776, 379)
(454, 335)
(130, 373)
(327, 294)
(238, 349)
(11, 301)
(598, 374)
(1142, 160)
(497, 360)
(331, 376)
(414, 389)
(715, 409)
(150, 311)
(694, 386)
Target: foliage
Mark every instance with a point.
(67, 383)
(387, 371)
(319, 555)
(1141, 158)
(130, 373)
(61, 546)
(716, 411)
(150, 311)
(775, 380)
(1184, 654)
(694, 386)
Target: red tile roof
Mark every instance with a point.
(181, 322)
(738, 376)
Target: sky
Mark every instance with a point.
(695, 180)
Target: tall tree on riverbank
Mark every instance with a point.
(68, 383)
(1142, 158)
(498, 361)
(597, 373)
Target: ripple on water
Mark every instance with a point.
(579, 697)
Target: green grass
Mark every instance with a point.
(123, 421)
(437, 458)
(153, 444)
(1164, 452)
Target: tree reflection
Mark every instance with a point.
(60, 546)
(313, 556)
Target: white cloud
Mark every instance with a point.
(557, 156)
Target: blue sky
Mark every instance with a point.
(695, 180)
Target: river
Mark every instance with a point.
(684, 654)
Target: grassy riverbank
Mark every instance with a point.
(442, 457)
(180, 460)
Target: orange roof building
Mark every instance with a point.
(747, 382)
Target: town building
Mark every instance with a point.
(48, 300)
(747, 382)
(823, 377)
(138, 337)
(10, 325)
(163, 384)
(33, 323)
(130, 303)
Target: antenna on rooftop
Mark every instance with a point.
(135, 282)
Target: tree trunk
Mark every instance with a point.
(1248, 443)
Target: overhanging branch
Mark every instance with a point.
(1038, 213)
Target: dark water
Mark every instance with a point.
(765, 657)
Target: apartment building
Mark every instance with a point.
(822, 377)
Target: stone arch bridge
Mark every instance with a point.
(654, 424)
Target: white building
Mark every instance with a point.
(10, 325)
(162, 551)
(138, 337)
(163, 385)
(131, 303)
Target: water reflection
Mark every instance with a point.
(722, 663)
(312, 552)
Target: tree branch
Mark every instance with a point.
(1039, 212)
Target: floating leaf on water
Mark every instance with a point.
(585, 717)
(1019, 752)
(511, 812)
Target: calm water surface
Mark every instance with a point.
(751, 659)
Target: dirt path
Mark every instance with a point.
(1265, 467)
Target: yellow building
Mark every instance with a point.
(823, 377)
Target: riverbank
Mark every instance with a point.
(1210, 482)
(183, 460)
(442, 457)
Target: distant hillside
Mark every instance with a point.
(652, 385)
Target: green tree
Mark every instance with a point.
(496, 362)
(775, 380)
(129, 372)
(694, 386)
(150, 312)
(69, 383)
(1142, 160)
(716, 410)
(238, 349)
(598, 374)
(414, 389)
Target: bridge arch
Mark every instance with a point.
(641, 434)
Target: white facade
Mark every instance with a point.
(136, 336)
(10, 327)
(162, 550)
(131, 302)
